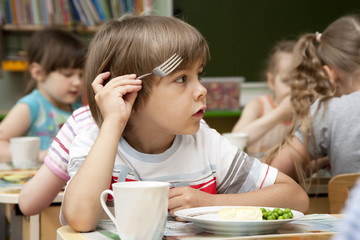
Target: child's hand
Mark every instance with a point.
(187, 197)
(285, 108)
(116, 98)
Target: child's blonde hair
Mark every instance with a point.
(284, 46)
(338, 47)
(137, 44)
(55, 49)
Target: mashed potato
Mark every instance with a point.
(240, 213)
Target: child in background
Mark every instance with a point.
(38, 193)
(267, 119)
(325, 83)
(56, 60)
(150, 129)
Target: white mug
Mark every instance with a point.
(238, 139)
(141, 209)
(25, 152)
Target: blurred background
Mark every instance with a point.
(242, 32)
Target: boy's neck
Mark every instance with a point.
(149, 143)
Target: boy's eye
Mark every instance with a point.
(200, 74)
(181, 79)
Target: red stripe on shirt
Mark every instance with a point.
(211, 188)
(267, 171)
(78, 114)
(61, 145)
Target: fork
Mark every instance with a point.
(165, 68)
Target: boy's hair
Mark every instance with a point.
(338, 47)
(285, 46)
(137, 44)
(55, 49)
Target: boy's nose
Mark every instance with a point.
(200, 92)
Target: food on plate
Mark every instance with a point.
(241, 213)
(254, 213)
(17, 178)
(276, 214)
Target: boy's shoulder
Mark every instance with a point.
(82, 111)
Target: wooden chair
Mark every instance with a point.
(338, 190)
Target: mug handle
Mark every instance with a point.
(103, 204)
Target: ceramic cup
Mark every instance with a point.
(25, 152)
(238, 139)
(141, 209)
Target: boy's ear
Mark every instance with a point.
(270, 80)
(36, 72)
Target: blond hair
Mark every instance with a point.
(284, 46)
(137, 44)
(338, 47)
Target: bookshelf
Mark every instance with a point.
(19, 18)
(14, 38)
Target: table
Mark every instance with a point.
(12, 198)
(296, 230)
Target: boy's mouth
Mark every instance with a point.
(199, 113)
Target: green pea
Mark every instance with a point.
(263, 210)
(281, 217)
(271, 217)
(287, 210)
(280, 212)
(275, 214)
(291, 215)
(286, 216)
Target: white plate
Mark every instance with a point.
(207, 218)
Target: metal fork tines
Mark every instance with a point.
(166, 67)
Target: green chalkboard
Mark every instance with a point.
(240, 33)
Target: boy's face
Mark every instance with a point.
(177, 102)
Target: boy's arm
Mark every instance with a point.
(15, 124)
(257, 127)
(40, 191)
(81, 206)
(285, 192)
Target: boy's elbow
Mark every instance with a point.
(80, 222)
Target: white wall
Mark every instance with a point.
(251, 90)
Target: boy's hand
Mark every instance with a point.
(116, 98)
(187, 197)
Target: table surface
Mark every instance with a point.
(12, 196)
(66, 233)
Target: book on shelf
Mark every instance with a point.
(68, 12)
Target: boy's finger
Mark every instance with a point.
(101, 77)
(97, 84)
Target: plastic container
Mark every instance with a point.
(223, 92)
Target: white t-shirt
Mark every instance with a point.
(206, 161)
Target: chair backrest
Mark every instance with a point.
(338, 190)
